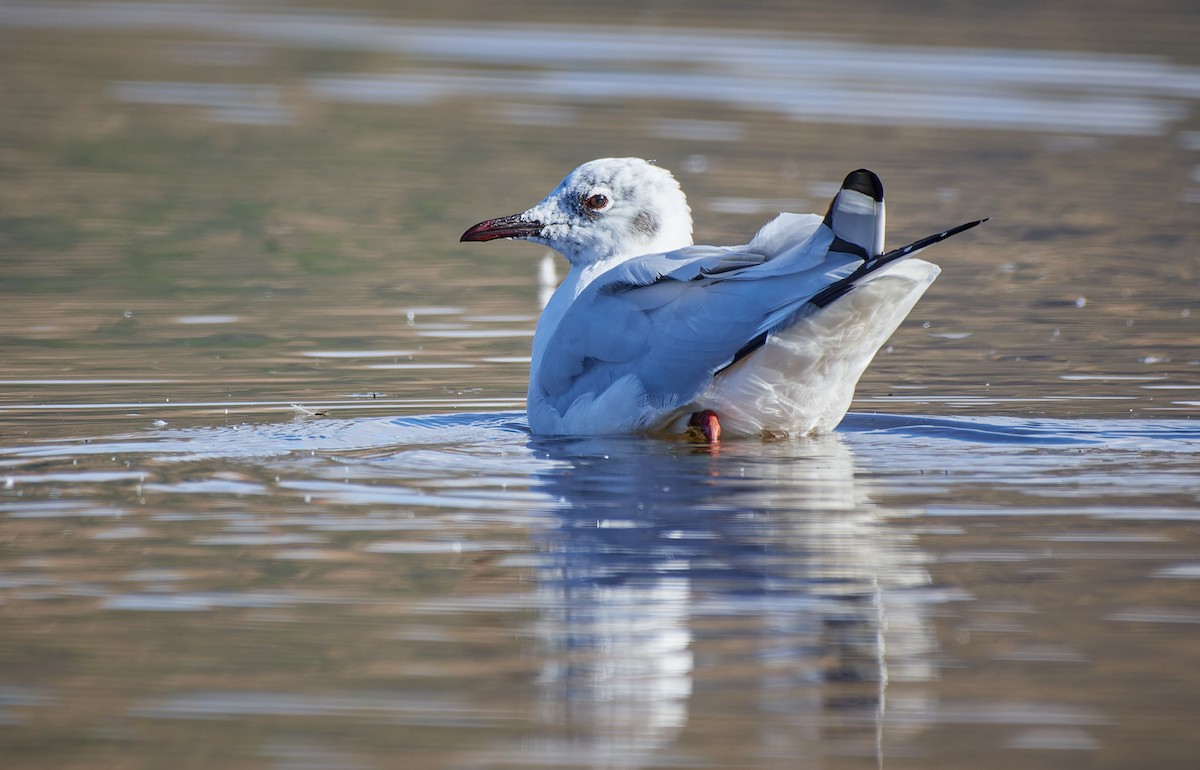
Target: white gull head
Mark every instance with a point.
(604, 212)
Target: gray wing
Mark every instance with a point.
(673, 320)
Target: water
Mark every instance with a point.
(267, 498)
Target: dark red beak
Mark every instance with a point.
(504, 227)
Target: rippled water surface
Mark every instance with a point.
(267, 496)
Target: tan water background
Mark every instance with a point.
(266, 498)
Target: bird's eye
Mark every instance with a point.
(596, 202)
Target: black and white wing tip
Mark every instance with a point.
(856, 215)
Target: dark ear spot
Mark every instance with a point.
(646, 223)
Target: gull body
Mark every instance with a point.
(647, 330)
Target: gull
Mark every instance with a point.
(648, 333)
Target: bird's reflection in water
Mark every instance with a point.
(755, 581)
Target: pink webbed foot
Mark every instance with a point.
(704, 427)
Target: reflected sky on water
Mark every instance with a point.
(807, 79)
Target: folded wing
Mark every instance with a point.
(673, 320)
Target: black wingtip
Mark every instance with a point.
(839, 289)
(864, 181)
(967, 226)
(916, 246)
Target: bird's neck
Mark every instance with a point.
(576, 280)
(581, 276)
